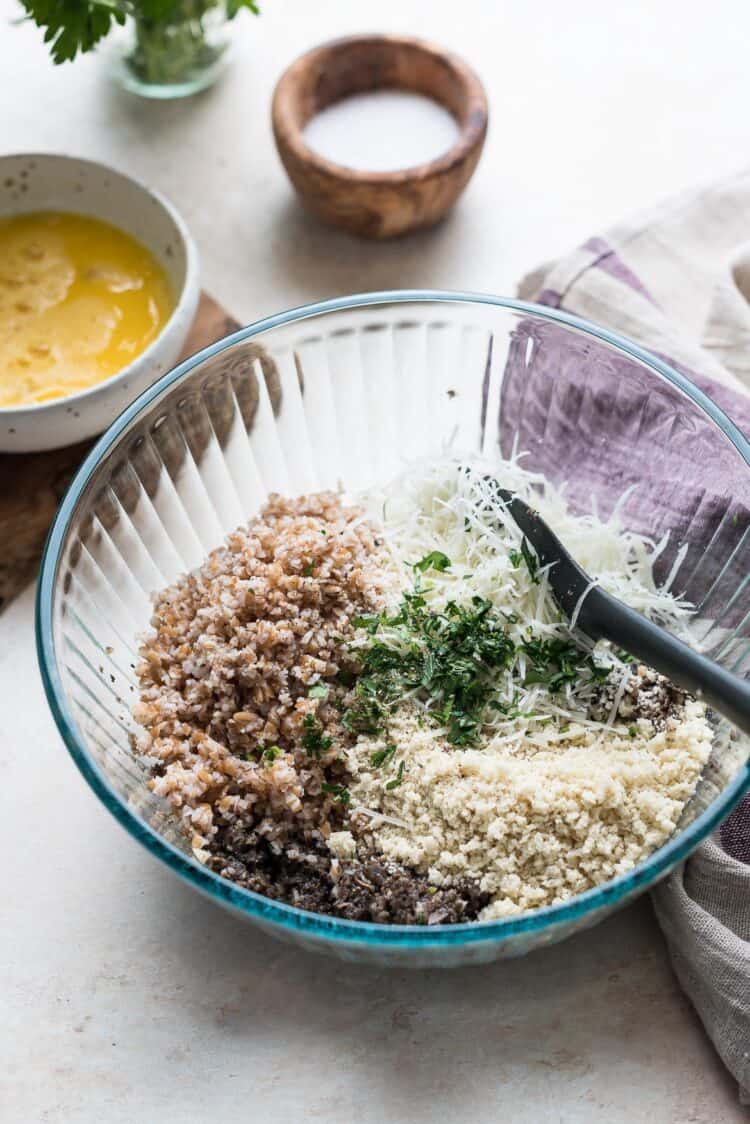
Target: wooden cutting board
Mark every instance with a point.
(32, 484)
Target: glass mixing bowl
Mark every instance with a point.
(341, 393)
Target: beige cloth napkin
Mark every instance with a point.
(677, 281)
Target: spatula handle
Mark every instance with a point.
(604, 617)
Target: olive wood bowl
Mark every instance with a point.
(378, 204)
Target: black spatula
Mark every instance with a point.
(603, 617)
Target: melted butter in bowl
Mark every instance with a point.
(79, 300)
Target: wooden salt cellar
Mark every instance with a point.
(378, 204)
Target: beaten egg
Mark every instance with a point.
(79, 300)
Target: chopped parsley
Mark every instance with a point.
(365, 715)
(451, 659)
(338, 791)
(557, 661)
(370, 622)
(531, 560)
(435, 560)
(448, 657)
(314, 740)
(397, 779)
(380, 756)
(553, 662)
(309, 569)
(263, 754)
(319, 691)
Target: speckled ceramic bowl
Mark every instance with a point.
(344, 392)
(39, 182)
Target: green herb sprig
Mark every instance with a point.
(338, 791)
(73, 26)
(397, 779)
(381, 756)
(435, 560)
(313, 739)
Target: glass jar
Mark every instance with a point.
(177, 57)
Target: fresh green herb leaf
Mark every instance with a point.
(598, 674)
(531, 560)
(314, 740)
(308, 570)
(338, 791)
(235, 6)
(397, 779)
(382, 755)
(370, 622)
(271, 752)
(319, 691)
(632, 731)
(365, 716)
(435, 560)
(516, 558)
(71, 26)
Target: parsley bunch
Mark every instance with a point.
(71, 26)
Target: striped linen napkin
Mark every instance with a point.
(676, 280)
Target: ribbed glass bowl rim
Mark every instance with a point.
(289, 917)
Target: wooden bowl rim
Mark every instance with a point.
(471, 133)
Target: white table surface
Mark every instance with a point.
(127, 998)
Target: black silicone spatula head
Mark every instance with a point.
(568, 581)
(601, 616)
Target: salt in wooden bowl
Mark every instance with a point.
(378, 204)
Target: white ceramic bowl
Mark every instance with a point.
(41, 182)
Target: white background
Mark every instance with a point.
(125, 997)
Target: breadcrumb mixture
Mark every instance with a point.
(536, 828)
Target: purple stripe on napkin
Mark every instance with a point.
(610, 262)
